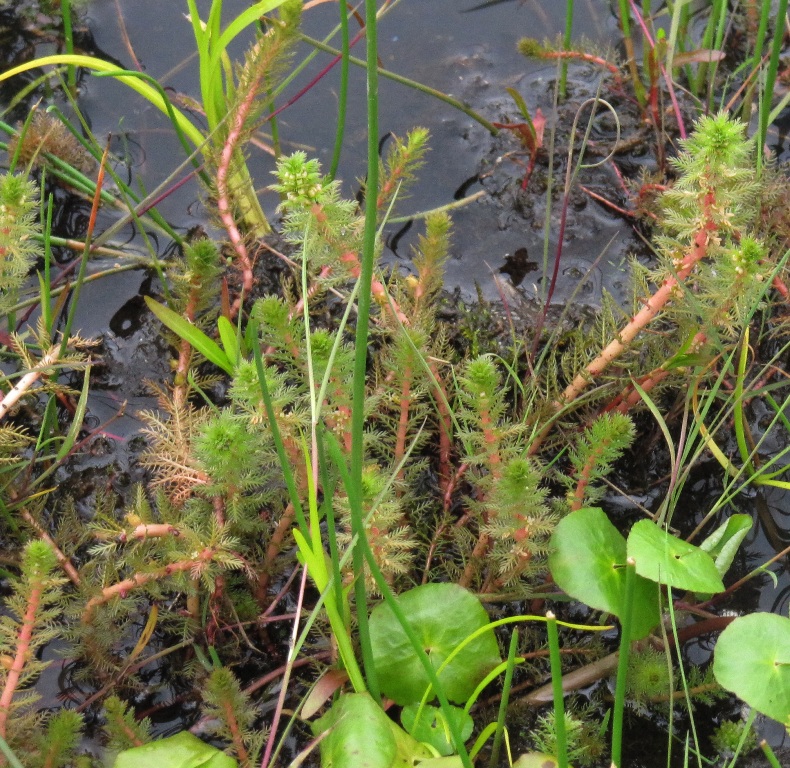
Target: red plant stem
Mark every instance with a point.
(478, 553)
(445, 428)
(579, 56)
(608, 203)
(65, 563)
(782, 289)
(651, 308)
(235, 732)
(235, 134)
(22, 651)
(349, 257)
(493, 585)
(141, 579)
(584, 476)
(629, 397)
(494, 460)
(185, 350)
(129, 732)
(403, 419)
(145, 531)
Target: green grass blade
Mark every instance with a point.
(556, 685)
(134, 82)
(185, 330)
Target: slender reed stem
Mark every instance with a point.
(556, 685)
(770, 80)
(503, 702)
(84, 261)
(566, 44)
(68, 39)
(769, 754)
(625, 24)
(342, 94)
(622, 663)
(361, 340)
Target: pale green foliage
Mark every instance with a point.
(717, 195)
(510, 506)
(18, 250)
(123, 728)
(649, 677)
(584, 742)
(727, 736)
(593, 455)
(197, 282)
(59, 740)
(400, 164)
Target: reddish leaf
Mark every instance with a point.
(326, 686)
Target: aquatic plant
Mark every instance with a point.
(334, 425)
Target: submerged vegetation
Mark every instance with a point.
(328, 453)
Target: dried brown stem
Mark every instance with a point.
(28, 380)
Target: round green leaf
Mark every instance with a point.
(668, 560)
(587, 562)
(360, 735)
(752, 659)
(441, 615)
(429, 725)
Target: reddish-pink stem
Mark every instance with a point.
(22, 652)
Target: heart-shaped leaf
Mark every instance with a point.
(180, 751)
(587, 562)
(441, 615)
(752, 659)
(668, 560)
(429, 725)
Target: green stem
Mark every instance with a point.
(625, 23)
(556, 686)
(68, 39)
(622, 662)
(361, 339)
(566, 46)
(757, 58)
(285, 465)
(406, 81)
(503, 702)
(769, 754)
(342, 96)
(10, 756)
(770, 80)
